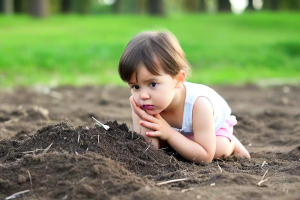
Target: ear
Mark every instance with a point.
(180, 79)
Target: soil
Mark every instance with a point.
(50, 148)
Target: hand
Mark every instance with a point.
(161, 128)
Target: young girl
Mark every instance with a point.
(192, 118)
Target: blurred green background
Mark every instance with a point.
(77, 42)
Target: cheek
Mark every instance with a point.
(136, 98)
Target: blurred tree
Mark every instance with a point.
(54, 6)
(20, 6)
(224, 6)
(194, 5)
(38, 8)
(6, 6)
(202, 6)
(116, 7)
(132, 6)
(191, 5)
(271, 4)
(142, 6)
(66, 6)
(250, 5)
(211, 6)
(82, 6)
(290, 5)
(156, 7)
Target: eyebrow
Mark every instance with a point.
(146, 81)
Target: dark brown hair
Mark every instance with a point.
(149, 47)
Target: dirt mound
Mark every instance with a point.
(118, 143)
(73, 176)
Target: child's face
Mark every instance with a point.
(152, 93)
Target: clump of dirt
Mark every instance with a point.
(118, 143)
(58, 175)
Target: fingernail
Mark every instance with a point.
(147, 133)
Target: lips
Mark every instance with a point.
(148, 107)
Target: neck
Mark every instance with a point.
(177, 102)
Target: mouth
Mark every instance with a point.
(148, 107)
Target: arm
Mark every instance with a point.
(204, 145)
(202, 149)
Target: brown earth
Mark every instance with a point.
(51, 149)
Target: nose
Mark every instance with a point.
(144, 95)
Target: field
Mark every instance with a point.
(51, 149)
(80, 50)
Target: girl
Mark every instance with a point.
(192, 118)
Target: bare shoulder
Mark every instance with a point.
(203, 119)
(203, 106)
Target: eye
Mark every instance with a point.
(135, 87)
(153, 85)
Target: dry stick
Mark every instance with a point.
(32, 151)
(263, 180)
(219, 167)
(263, 164)
(148, 146)
(186, 190)
(162, 148)
(172, 181)
(45, 151)
(98, 139)
(78, 137)
(29, 177)
(264, 175)
(15, 195)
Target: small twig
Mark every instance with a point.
(186, 190)
(162, 148)
(15, 195)
(98, 139)
(45, 151)
(32, 151)
(78, 137)
(264, 175)
(148, 146)
(262, 181)
(263, 164)
(219, 167)
(172, 181)
(29, 177)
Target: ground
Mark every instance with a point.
(51, 149)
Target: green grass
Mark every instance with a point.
(80, 50)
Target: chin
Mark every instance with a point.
(152, 112)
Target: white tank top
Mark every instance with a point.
(221, 110)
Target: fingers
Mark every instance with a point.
(140, 112)
(149, 125)
(153, 134)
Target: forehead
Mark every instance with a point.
(142, 74)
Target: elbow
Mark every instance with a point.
(205, 160)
